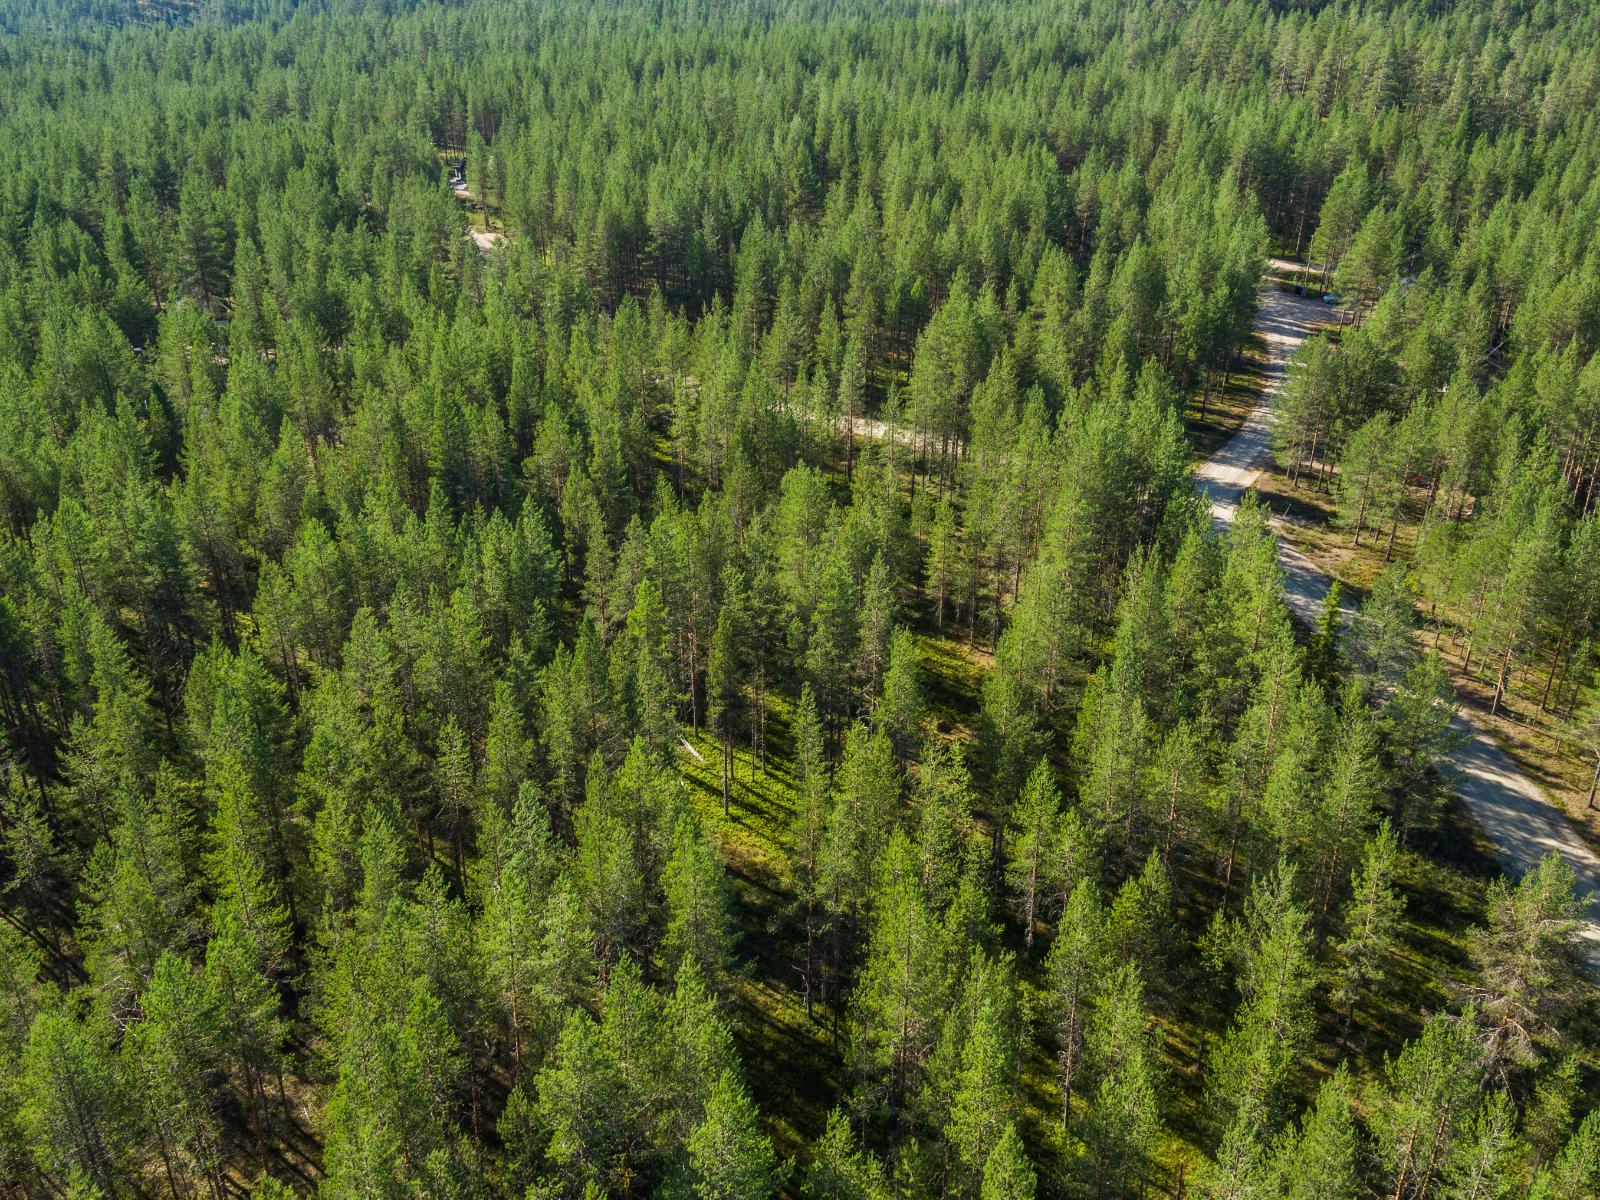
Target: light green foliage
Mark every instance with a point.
(1426, 1102)
(841, 1170)
(1526, 974)
(1320, 1160)
(1275, 974)
(729, 1157)
(1008, 1175)
(1371, 919)
(1075, 967)
(698, 926)
(76, 1108)
(901, 994)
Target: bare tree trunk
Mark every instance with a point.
(1500, 679)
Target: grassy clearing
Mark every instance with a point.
(789, 1058)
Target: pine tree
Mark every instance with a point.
(1583, 728)
(1548, 1116)
(1139, 927)
(140, 899)
(1371, 921)
(1320, 1160)
(519, 930)
(1008, 1175)
(900, 994)
(1116, 747)
(1075, 967)
(840, 1169)
(943, 560)
(876, 626)
(808, 829)
(1350, 794)
(721, 692)
(75, 1106)
(1416, 730)
(20, 996)
(729, 1157)
(457, 786)
(984, 1102)
(1012, 739)
(599, 1094)
(647, 682)
(1576, 1171)
(1034, 820)
(1123, 1119)
(1526, 974)
(1481, 1165)
(1276, 974)
(1176, 787)
(699, 926)
(252, 1034)
(171, 1055)
(1425, 1104)
(858, 826)
(899, 711)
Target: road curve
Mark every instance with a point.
(1518, 820)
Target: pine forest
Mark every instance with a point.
(835, 599)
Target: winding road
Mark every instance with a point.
(1518, 820)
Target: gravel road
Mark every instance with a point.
(1520, 823)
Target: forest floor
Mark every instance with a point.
(1521, 822)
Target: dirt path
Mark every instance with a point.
(1521, 824)
(485, 241)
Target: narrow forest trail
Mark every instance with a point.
(1520, 823)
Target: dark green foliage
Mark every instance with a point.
(568, 717)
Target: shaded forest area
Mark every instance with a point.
(731, 693)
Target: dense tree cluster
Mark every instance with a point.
(402, 646)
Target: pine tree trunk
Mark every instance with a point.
(811, 951)
(1031, 904)
(850, 441)
(459, 858)
(1227, 875)
(1500, 679)
(1555, 660)
(166, 1160)
(727, 754)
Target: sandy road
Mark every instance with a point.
(1520, 823)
